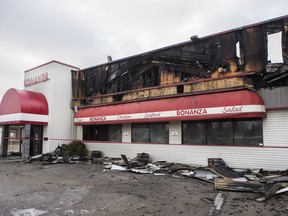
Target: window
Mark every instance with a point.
(150, 132)
(159, 132)
(275, 48)
(234, 132)
(103, 132)
(248, 133)
(140, 132)
(239, 53)
(219, 133)
(194, 132)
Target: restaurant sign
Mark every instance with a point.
(36, 79)
(181, 114)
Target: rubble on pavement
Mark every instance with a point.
(265, 183)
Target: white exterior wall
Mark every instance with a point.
(58, 93)
(273, 156)
(1, 139)
(236, 157)
(275, 128)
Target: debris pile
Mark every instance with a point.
(14, 154)
(266, 183)
(66, 153)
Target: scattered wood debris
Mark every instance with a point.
(266, 183)
(217, 205)
(248, 181)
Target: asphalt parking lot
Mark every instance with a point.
(86, 189)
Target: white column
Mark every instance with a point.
(1, 139)
(126, 133)
(79, 132)
(175, 132)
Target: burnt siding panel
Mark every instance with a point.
(285, 42)
(224, 51)
(189, 53)
(255, 54)
(95, 81)
(74, 80)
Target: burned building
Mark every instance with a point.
(206, 96)
(220, 95)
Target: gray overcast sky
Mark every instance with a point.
(84, 32)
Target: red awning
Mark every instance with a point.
(23, 107)
(233, 104)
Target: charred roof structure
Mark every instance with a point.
(231, 59)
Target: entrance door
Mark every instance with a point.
(36, 140)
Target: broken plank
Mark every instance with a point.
(141, 171)
(274, 179)
(283, 190)
(271, 189)
(118, 168)
(219, 167)
(229, 184)
(125, 161)
(225, 172)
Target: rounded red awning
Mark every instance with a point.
(23, 107)
(232, 104)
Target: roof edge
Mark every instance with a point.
(53, 61)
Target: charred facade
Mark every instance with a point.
(233, 59)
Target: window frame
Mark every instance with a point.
(150, 133)
(252, 141)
